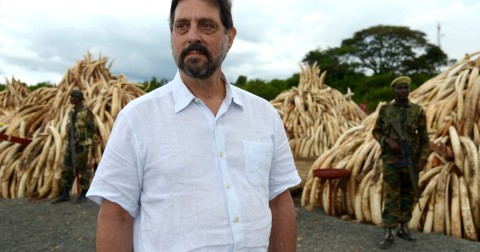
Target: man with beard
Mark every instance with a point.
(198, 164)
(401, 117)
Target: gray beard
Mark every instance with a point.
(192, 68)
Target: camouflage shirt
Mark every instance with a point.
(413, 122)
(84, 126)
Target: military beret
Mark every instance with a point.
(401, 80)
(77, 93)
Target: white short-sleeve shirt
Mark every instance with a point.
(194, 181)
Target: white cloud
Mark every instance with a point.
(40, 40)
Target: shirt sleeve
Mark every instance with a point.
(424, 139)
(283, 174)
(118, 177)
(377, 131)
(90, 122)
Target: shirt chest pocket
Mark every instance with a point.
(258, 160)
(412, 126)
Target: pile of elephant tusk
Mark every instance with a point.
(314, 114)
(449, 203)
(34, 170)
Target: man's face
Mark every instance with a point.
(401, 92)
(199, 42)
(74, 100)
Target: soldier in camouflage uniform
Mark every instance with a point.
(398, 194)
(84, 135)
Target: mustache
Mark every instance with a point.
(195, 47)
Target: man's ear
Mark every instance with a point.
(231, 36)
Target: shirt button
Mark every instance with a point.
(228, 185)
(222, 153)
(196, 100)
(235, 219)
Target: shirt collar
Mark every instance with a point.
(407, 104)
(232, 94)
(183, 97)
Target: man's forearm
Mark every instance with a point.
(284, 229)
(114, 228)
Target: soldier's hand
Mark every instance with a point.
(393, 145)
(420, 165)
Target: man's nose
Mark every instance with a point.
(193, 35)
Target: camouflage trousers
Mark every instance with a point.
(82, 155)
(398, 195)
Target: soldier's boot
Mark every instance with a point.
(388, 239)
(404, 233)
(82, 197)
(65, 196)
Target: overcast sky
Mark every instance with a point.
(40, 40)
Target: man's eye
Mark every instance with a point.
(181, 27)
(208, 26)
(402, 88)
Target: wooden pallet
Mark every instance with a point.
(303, 167)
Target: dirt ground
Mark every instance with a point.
(40, 226)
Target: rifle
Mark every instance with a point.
(407, 158)
(72, 151)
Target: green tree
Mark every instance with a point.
(40, 85)
(393, 49)
(429, 63)
(241, 80)
(332, 62)
(266, 90)
(382, 52)
(340, 74)
(154, 83)
(292, 81)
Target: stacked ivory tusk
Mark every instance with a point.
(314, 114)
(450, 202)
(35, 170)
(12, 97)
